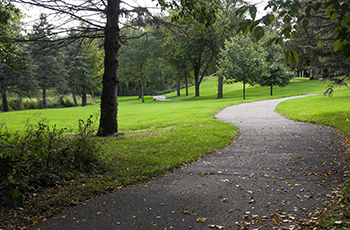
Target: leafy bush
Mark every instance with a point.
(65, 102)
(15, 103)
(30, 104)
(43, 156)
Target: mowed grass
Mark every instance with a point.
(157, 136)
(332, 111)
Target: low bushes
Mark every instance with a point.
(43, 156)
(17, 103)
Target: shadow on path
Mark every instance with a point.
(277, 173)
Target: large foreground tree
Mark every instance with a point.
(105, 16)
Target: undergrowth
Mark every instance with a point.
(43, 156)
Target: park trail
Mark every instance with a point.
(277, 174)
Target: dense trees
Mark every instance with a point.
(325, 21)
(138, 58)
(90, 13)
(48, 63)
(13, 65)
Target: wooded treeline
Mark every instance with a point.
(158, 56)
(142, 53)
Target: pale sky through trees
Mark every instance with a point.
(32, 14)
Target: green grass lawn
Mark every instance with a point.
(332, 111)
(158, 136)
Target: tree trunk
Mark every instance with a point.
(83, 100)
(220, 87)
(74, 99)
(44, 98)
(109, 104)
(243, 90)
(140, 90)
(186, 85)
(142, 93)
(178, 88)
(271, 90)
(92, 94)
(127, 88)
(5, 106)
(196, 81)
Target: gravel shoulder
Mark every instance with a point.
(277, 174)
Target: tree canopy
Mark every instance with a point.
(290, 17)
(242, 60)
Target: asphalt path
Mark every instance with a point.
(277, 174)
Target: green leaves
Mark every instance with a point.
(258, 32)
(337, 45)
(291, 57)
(252, 11)
(201, 11)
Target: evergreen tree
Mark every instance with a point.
(49, 65)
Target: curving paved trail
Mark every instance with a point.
(277, 173)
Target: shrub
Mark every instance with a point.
(65, 102)
(15, 103)
(30, 104)
(43, 156)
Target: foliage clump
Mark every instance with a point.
(43, 156)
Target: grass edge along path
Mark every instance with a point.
(158, 136)
(333, 112)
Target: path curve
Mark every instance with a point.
(277, 173)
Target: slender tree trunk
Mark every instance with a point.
(44, 98)
(5, 106)
(220, 87)
(109, 104)
(178, 88)
(83, 100)
(74, 99)
(186, 79)
(92, 94)
(243, 90)
(196, 81)
(271, 90)
(142, 92)
(127, 88)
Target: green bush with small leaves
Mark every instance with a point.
(43, 155)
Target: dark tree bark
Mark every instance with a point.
(83, 100)
(74, 99)
(244, 90)
(109, 105)
(271, 90)
(196, 80)
(178, 88)
(220, 87)
(186, 85)
(141, 90)
(44, 98)
(5, 106)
